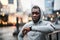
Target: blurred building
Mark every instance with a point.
(9, 5)
(57, 6)
(9, 9)
(49, 6)
(52, 8)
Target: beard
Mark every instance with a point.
(36, 20)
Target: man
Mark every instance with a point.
(37, 29)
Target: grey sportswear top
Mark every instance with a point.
(39, 31)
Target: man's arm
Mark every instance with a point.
(45, 28)
(20, 36)
(21, 33)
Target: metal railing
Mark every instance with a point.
(54, 35)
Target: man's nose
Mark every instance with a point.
(34, 14)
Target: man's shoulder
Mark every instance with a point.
(47, 22)
(29, 23)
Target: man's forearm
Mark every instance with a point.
(42, 29)
(20, 36)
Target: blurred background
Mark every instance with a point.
(10, 9)
(15, 13)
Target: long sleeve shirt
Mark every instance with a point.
(38, 31)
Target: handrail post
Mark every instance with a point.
(50, 37)
(57, 35)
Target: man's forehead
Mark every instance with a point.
(35, 10)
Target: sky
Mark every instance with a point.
(57, 5)
(27, 4)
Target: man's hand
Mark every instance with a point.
(26, 30)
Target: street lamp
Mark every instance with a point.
(17, 27)
(15, 33)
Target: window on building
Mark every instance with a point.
(10, 1)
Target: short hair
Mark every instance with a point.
(35, 7)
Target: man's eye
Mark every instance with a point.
(35, 13)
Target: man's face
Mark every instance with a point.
(35, 15)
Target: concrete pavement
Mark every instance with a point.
(6, 33)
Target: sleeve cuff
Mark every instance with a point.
(30, 28)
